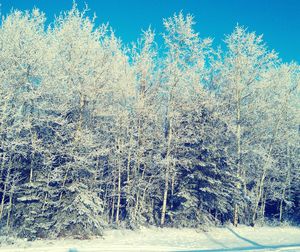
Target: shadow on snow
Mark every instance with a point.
(255, 245)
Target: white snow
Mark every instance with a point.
(168, 239)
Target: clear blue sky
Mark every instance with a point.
(278, 20)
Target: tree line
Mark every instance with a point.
(97, 134)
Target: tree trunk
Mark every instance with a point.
(236, 215)
(165, 197)
(33, 139)
(172, 187)
(287, 181)
(167, 172)
(5, 189)
(263, 206)
(128, 171)
(263, 176)
(238, 136)
(2, 163)
(113, 204)
(119, 195)
(31, 169)
(9, 206)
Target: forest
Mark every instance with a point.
(97, 134)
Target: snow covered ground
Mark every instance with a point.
(167, 239)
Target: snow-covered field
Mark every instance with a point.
(167, 239)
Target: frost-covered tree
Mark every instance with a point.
(145, 130)
(240, 77)
(280, 125)
(22, 68)
(94, 133)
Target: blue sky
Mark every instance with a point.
(278, 20)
